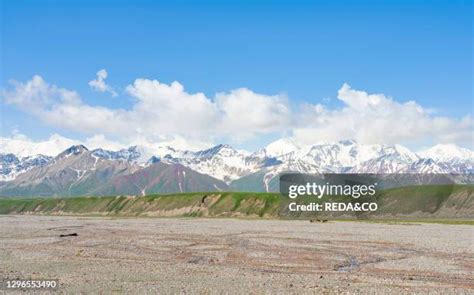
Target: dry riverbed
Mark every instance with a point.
(164, 255)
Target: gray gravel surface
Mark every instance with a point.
(216, 256)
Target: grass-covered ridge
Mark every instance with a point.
(435, 202)
(188, 204)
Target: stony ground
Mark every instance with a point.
(149, 255)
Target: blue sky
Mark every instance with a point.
(408, 50)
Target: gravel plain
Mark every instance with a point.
(233, 256)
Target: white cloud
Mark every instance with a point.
(22, 146)
(161, 112)
(166, 113)
(100, 141)
(36, 95)
(63, 108)
(244, 110)
(163, 109)
(376, 118)
(98, 84)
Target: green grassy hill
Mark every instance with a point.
(447, 202)
(189, 204)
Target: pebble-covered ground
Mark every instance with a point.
(215, 256)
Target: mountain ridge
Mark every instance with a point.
(78, 169)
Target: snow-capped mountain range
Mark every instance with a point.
(225, 163)
(11, 166)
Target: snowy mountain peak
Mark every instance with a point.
(224, 150)
(73, 150)
(136, 153)
(447, 152)
(130, 154)
(401, 152)
(281, 147)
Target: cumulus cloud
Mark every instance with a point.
(63, 108)
(245, 110)
(166, 113)
(376, 118)
(100, 141)
(164, 109)
(161, 112)
(98, 84)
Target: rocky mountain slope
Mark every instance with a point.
(78, 171)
